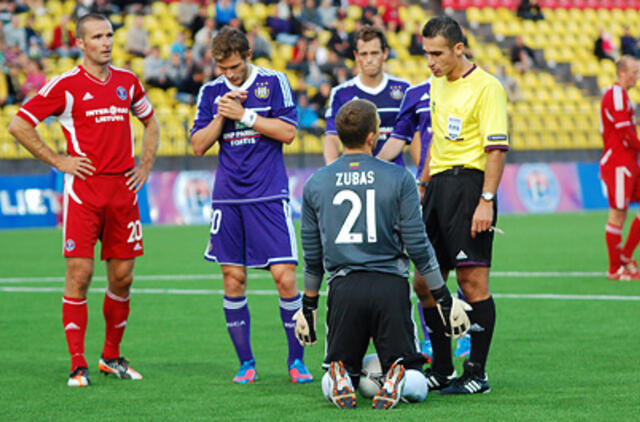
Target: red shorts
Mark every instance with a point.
(101, 207)
(623, 184)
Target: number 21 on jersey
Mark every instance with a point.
(345, 235)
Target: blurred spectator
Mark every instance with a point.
(208, 65)
(187, 11)
(339, 41)
(603, 47)
(179, 45)
(298, 58)
(155, 70)
(14, 85)
(629, 44)
(328, 13)
(14, 34)
(7, 10)
(465, 41)
(415, 48)
(190, 86)
(202, 40)
(285, 28)
(35, 6)
(34, 40)
(530, 9)
(307, 116)
(522, 56)
(259, 46)
(137, 42)
(391, 15)
(63, 42)
(198, 20)
(4, 89)
(509, 83)
(35, 79)
(369, 11)
(310, 15)
(104, 7)
(81, 8)
(225, 12)
(176, 71)
(313, 74)
(320, 99)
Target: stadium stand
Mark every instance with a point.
(559, 98)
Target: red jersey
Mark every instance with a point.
(94, 115)
(618, 127)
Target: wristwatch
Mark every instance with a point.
(488, 196)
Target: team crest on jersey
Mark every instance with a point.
(262, 90)
(69, 245)
(454, 127)
(121, 93)
(396, 92)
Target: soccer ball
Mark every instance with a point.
(371, 377)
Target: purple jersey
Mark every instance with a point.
(250, 165)
(415, 115)
(386, 96)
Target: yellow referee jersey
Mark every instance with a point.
(469, 118)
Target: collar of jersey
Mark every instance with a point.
(372, 91)
(93, 78)
(253, 72)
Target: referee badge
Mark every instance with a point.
(454, 127)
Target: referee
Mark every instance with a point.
(469, 118)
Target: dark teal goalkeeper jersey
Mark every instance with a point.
(361, 214)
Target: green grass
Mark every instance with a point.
(551, 359)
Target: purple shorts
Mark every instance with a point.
(253, 235)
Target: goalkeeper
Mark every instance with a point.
(359, 214)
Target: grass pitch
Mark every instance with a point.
(565, 347)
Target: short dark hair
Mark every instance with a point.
(355, 120)
(368, 33)
(445, 26)
(228, 41)
(86, 18)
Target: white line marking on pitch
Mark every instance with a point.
(192, 277)
(275, 292)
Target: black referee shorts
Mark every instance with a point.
(370, 305)
(448, 205)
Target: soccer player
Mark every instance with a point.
(359, 215)
(251, 112)
(373, 84)
(619, 169)
(469, 119)
(92, 103)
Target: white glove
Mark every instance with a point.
(454, 317)
(306, 318)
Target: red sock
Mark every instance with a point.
(74, 320)
(613, 235)
(116, 312)
(633, 239)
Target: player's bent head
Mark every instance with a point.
(81, 27)
(355, 121)
(229, 41)
(626, 66)
(445, 27)
(368, 33)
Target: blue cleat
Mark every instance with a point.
(299, 373)
(464, 347)
(247, 373)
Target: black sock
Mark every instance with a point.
(442, 362)
(483, 319)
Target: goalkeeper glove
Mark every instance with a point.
(305, 319)
(453, 312)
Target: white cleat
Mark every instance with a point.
(118, 367)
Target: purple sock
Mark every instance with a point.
(236, 311)
(425, 330)
(288, 307)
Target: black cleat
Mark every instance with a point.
(473, 381)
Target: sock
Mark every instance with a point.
(483, 319)
(236, 311)
(116, 311)
(288, 307)
(425, 330)
(613, 235)
(74, 321)
(632, 240)
(442, 361)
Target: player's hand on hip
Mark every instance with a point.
(482, 218)
(77, 166)
(230, 105)
(306, 319)
(136, 177)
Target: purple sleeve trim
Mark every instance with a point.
(469, 71)
(398, 136)
(491, 147)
